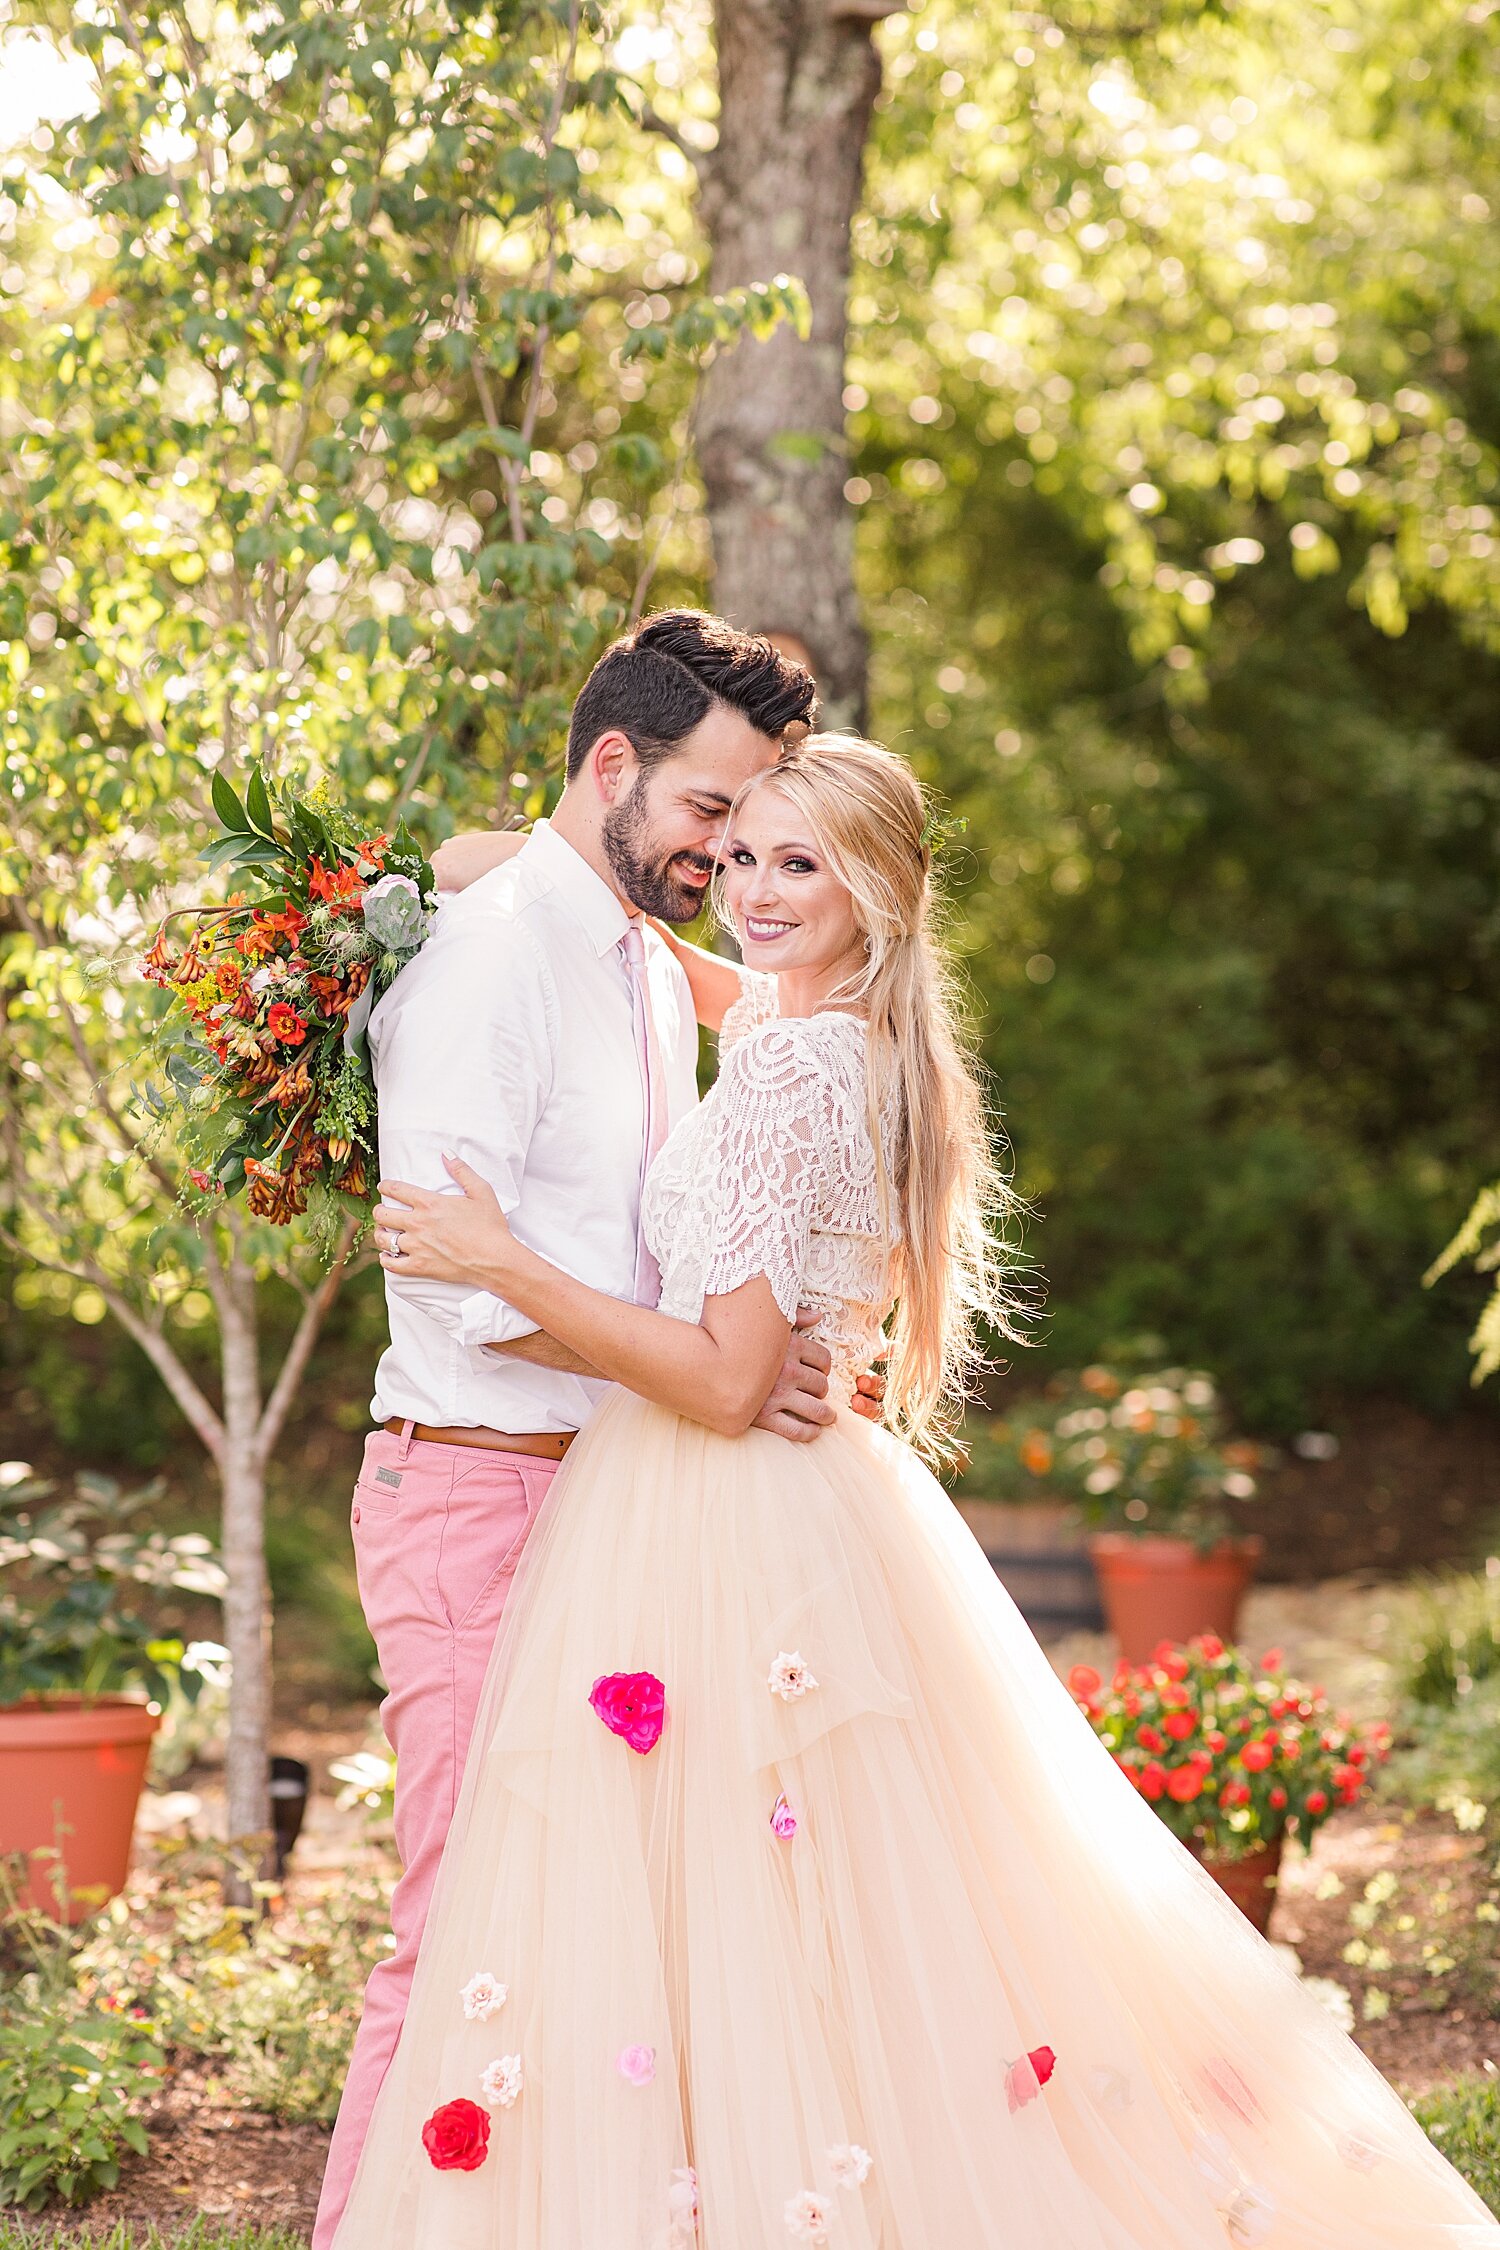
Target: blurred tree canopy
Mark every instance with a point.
(1174, 408)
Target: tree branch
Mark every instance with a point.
(200, 1414)
(299, 1351)
(80, 1047)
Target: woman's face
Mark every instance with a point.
(789, 909)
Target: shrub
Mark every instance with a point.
(1231, 1755)
(72, 2070)
(1448, 1727)
(1463, 2119)
(1140, 1453)
(273, 2001)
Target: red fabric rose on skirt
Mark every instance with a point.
(457, 2137)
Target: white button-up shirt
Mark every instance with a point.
(509, 1042)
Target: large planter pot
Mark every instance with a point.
(1157, 1590)
(70, 1779)
(1250, 1882)
(1040, 1555)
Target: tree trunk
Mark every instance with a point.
(246, 1600)
(797, 83)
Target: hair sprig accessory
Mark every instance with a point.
(940, 830)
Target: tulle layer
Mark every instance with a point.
(777, 1978)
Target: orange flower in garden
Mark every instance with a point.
(1153, 1779)
(1180, 1724)
(1184, 1783)
(1256, 1756)
(1036, 1452)
(289, 922)
(1084, 1682)
(1100, 1382)
(284, 1023)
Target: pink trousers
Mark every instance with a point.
(438, 1531)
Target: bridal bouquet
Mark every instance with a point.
(263, 1045)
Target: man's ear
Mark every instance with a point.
(611, 760)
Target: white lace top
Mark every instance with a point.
(775, 1174)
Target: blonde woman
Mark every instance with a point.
(790, 1898)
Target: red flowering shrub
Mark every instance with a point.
(457, 2136)
(1231, 1754)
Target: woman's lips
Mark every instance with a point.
(766, 933)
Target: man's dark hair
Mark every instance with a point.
(658, 682)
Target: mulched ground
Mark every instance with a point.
(210, 2162)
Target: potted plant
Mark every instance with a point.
(1144, 1460)
(83, 1673)
(1233, 1756)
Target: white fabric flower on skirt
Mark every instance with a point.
(482, 1995)
(1249, 2218)
(790, 1677)
(501, 2082)
(682, 2207)
(809, 2216)
(850, 2164)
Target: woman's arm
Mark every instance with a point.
(715, 983)
(718, 1372)
(463, 859)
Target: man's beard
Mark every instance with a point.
(647, 880)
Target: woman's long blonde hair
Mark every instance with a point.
(945, 1190)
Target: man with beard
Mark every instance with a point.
(548, 1038)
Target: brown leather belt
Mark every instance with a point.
(545, 1445)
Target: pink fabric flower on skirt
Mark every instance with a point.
(632, 1705)
(783, 1819)
(638, 2064)
(1025, 2079)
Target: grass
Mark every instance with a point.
(1464, 2122)
(203, 2234)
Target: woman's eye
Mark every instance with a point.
(798, 866)
(742, 858)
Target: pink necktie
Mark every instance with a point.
(654, 1088)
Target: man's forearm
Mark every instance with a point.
(538, 1349)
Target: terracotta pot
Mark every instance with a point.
(1165, 1590)
(70, 1778)
(1250, 1882)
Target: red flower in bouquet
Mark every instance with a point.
(284, 1023)
(457, 2137)
(632, 1705)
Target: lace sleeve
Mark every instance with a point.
(773, 1122)
(757, 1004)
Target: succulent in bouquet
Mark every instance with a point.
(263, 1044)
(1231, 1754)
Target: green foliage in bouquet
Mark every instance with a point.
(262, 1045)
(1231, 1754)
(71, 1576)
(1140, 1453)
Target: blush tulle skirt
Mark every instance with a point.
(776, 1979)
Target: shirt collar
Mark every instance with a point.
(595, 907)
